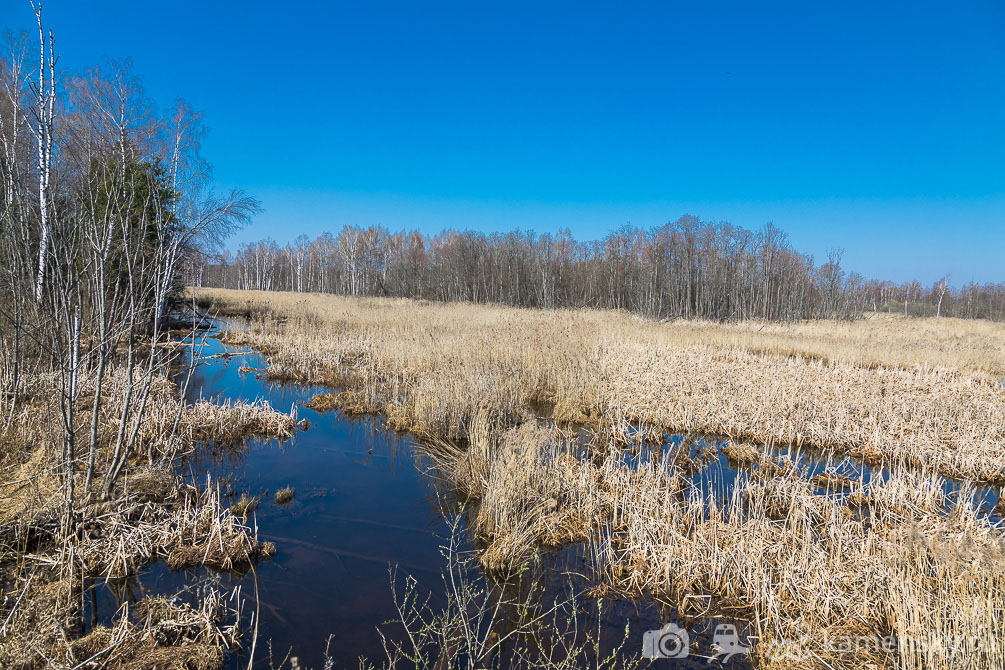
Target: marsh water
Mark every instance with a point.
(365, 501)
(715, 478)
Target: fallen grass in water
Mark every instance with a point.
(883, 562)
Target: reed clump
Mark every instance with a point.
(116, 539)
(351, 403)
(529, 489)
(527, 498)
(153, 633)
(807, 571)
(244, 506)
(906, 577)
(742, 454)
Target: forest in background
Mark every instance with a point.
(687, 268)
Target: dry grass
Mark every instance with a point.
(151, 515)
(877, 559)
(877, 340)
(885, 389)
(530, 492)
(885, 564)
(183, 527)
(805, 569)
(154, 633)
(245, 506)
(937, 417)
(284, 495)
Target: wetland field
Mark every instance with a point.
(832, 489)
(330, 482)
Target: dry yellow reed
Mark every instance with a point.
(865, 559)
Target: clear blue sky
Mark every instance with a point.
(878, 127)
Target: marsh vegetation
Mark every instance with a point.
(550, 445)
(102, 200)
(905, 544)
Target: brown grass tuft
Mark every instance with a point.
(150, 515)
(245, 506)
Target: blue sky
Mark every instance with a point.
(877, 127)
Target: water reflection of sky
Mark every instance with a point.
(715, 478)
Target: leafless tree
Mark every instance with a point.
(940, 289)
(43, 110)
(104, 202)
(686, 268)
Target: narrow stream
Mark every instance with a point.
(360, 505)
(363, 503)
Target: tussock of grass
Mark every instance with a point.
(231, 422)
(245, 506)
(161, 634)
(741, 454)
(532, 492)
(831, 480)
(190, 529)
(351, 403)
(284, 495)
(153, 633)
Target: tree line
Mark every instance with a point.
(103, 198)
(687, 268)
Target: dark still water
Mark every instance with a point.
(363, 503)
